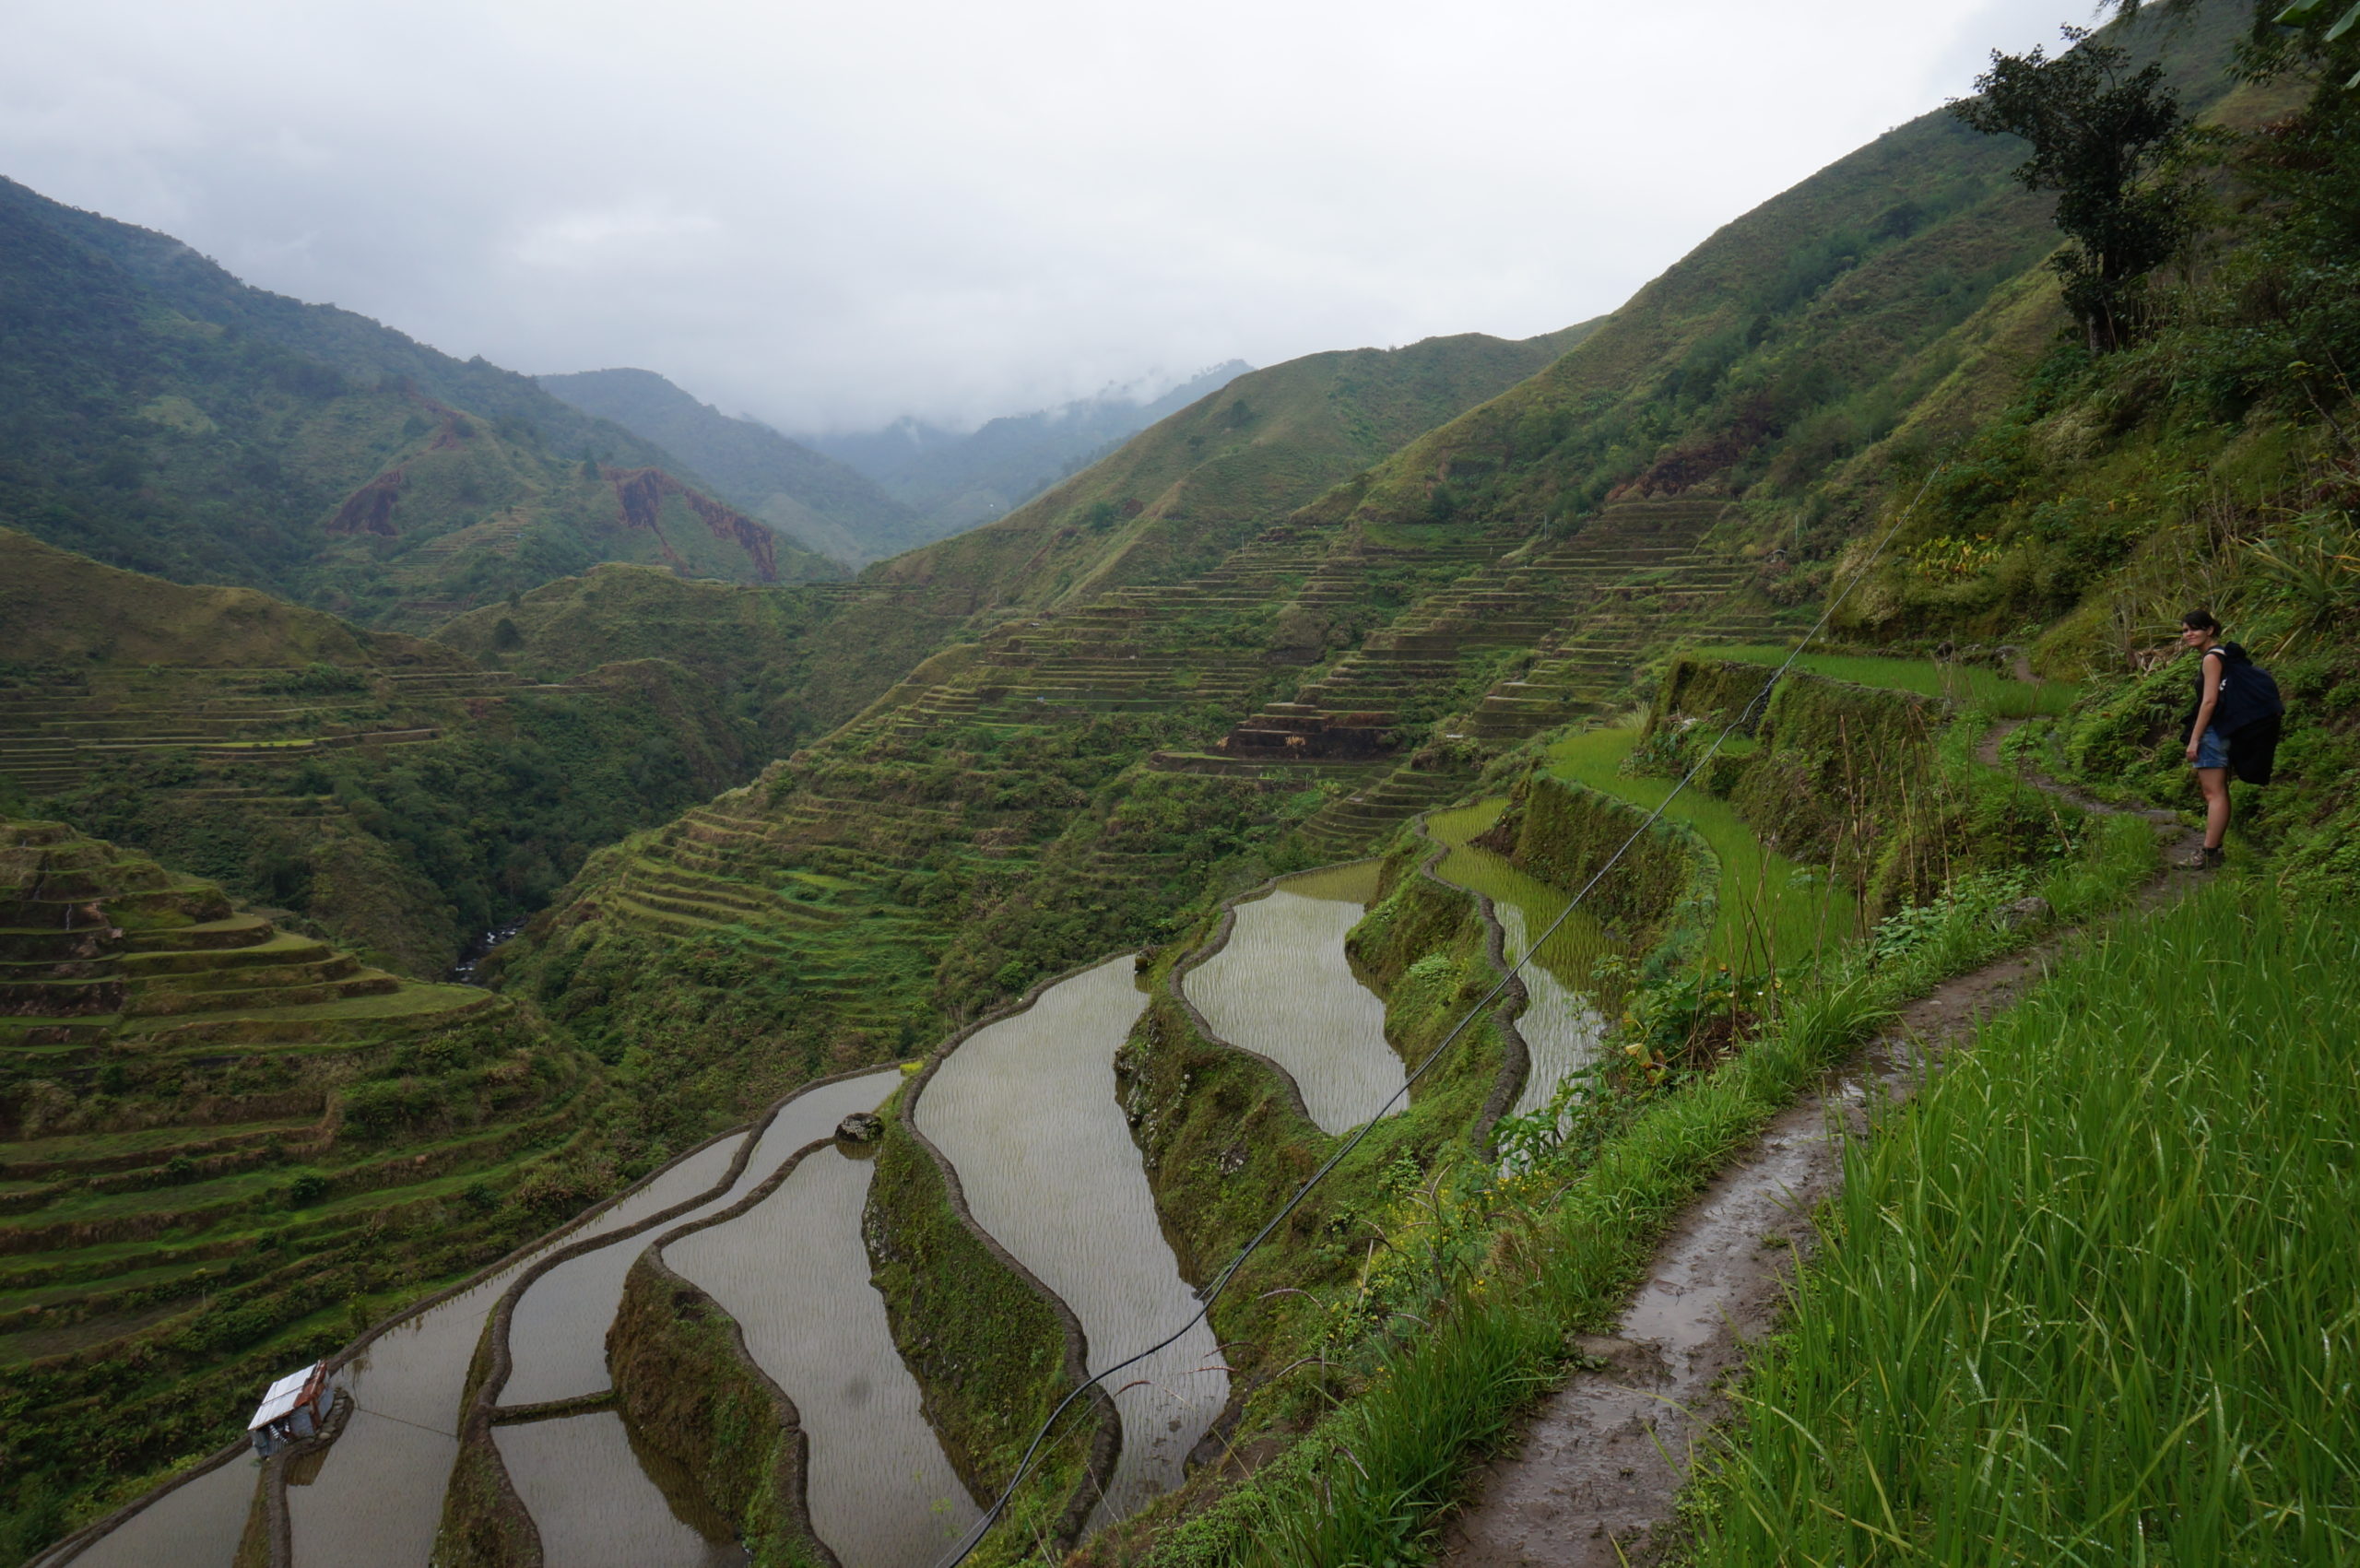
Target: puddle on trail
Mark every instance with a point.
(1281, 987)
(592, 1502)
(557, 1339)
(196, 1525)
(1027, 1113)
(1561, 1028)
(793, 1273)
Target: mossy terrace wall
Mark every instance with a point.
(687, 1387)
(1656, 883)
(992, 1350)
(1876, 782)
(1225, 1139)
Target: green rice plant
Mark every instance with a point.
(2092, 1298)
(1968, 685)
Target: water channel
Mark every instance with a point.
(1281, 987)
(1026, 1111)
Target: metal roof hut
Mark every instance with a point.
(293, 1409)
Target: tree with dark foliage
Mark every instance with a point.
(2106, 142)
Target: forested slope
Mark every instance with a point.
(383, 786)
(161, 415)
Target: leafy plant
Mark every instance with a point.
(2107, 143)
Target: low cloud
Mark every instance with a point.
(828, 215)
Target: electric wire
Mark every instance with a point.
(1212, 1292)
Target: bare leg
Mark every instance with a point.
(2214, 782)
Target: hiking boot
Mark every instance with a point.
(2203, 860)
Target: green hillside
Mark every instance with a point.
(225, 1147)
(769, 832)
(162, 417)
(815, 499)
(1187, 675)
(755, 645)
(1789, 343)
(1182, 494)
(956, 480)
(383, 787)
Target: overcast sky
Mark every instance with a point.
(828, 214)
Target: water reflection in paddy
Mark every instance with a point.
(793, 1272)
(378, 1497)
(1282, 988)
(196, 1524)
(592, 1502)
(1561, 1029)
(1026, 1111)
(558, 1336)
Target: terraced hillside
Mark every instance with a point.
(759, 647)
(1176, 499)
(1076, 778)
(1809, 351)
(223, 1146)
(320, 768)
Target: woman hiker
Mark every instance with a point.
(2208, 748)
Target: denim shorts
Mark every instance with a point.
(2212, 751)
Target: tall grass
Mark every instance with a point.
(2096, 1297)
(1966, 685)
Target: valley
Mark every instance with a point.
(1189, 1025)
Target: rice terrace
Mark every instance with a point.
(1717, 936)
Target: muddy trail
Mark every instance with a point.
(1591, 1479)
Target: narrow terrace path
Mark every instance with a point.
(1602, 1460)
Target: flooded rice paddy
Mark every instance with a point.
(1561, 1030)
(1026, 1111)
(593, 1503)
(1281, 987)
(557, 1338)
(792, 1272)
(195, 1525)
(378, 1496)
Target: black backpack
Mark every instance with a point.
(2247, 693)
(2248, 715)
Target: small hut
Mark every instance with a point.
(293, 1409)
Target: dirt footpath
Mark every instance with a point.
(1600, 1461)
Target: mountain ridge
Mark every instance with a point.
(165, 417)
(827, 505)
